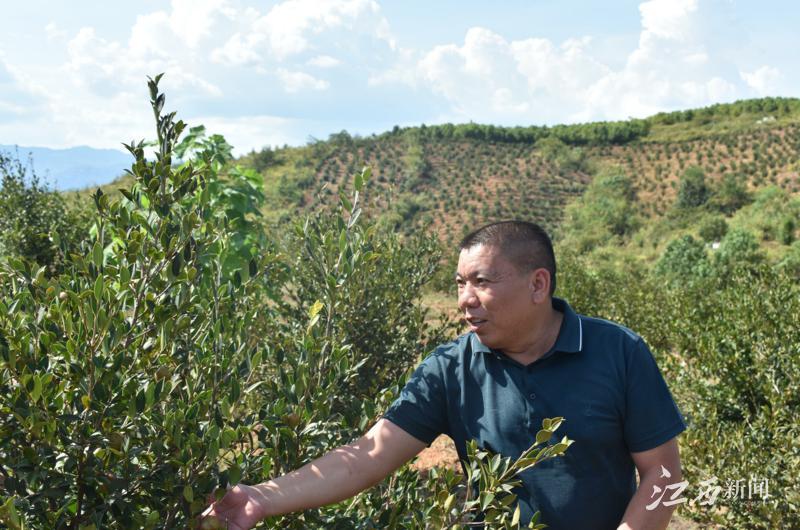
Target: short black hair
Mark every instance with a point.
(525, 244)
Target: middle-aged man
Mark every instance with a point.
(527, 356)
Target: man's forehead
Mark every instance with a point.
(482, 259)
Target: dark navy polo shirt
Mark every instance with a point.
(599, 376)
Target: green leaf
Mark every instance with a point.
(8, 513)
(342, 241)
(98, 289)
(486, 499)
(234, 475)
(213, 449)
(18, 265)
(346, 204)
(176, 264)
(188, 494)
(542, 436)
(97, 255)
(127, 194)
(149, 396)
(37, 389)
(515, 517)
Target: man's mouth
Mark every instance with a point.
(475, 323)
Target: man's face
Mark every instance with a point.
(494, 297)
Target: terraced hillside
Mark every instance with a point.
(450, 177)
(760, 156)
(446, 184)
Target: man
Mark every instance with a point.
(527, 356)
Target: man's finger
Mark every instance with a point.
(208, 510)
(228, 501)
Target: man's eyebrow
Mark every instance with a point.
(486, 273)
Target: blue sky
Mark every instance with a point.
(269, 73)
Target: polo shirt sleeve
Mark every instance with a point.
(421, 408)
(651, 415)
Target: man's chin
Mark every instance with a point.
(486, 338)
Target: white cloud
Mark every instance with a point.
(54, 32)
(251, 132)
(324, 61)
(238, 51)
(404, 71)
(108, 67)
(186, 24)
(97, 94)
(667, 18)
(297, 81)
(677, 63)
(244, 56)
(489, 77)
(192, 20)
(764, 80)
(19, 96)
(295, 26)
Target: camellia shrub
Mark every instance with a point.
(124, 377)
(184, 348)
(32, 211)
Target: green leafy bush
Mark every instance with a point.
(31, 213)
(181, 350)
(693, 190)
(124, 378)
(713, 228)
(731, 194)
(684, 260)
(738, 249)
(790, 263)
(605, 210)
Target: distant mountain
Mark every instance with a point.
(73, 168)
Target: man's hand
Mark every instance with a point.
(241, 508)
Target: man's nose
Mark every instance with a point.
(467, 298)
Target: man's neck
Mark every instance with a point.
(542, 338)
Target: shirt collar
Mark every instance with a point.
(570, 336)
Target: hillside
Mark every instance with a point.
(447, 178)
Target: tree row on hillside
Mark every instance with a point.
(596, 133)
(771, 105)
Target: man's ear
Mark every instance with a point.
(540, 285)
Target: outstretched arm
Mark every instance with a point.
(336, 476)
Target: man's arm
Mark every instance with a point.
(338, 475)
(648, 464)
